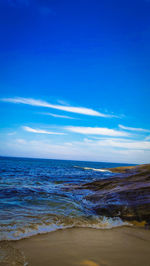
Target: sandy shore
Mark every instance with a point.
(83, 247)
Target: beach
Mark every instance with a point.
(81, 246)
(69, 213)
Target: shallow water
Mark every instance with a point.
(34, 196)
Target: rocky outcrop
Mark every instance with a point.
(126, 194)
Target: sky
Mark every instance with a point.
(75, 79)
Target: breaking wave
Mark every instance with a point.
(13, 232)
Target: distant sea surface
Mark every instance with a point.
(35, 196)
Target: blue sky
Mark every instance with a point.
(74, 79)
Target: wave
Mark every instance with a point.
(14, 233)
(94, 169)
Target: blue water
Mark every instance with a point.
(40, 195)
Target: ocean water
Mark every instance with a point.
(41, 195)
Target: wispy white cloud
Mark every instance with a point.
(96, 131)
(83, 150)
(72, 109)
(62, 102)
(11, 133)
(21, 141)
(147, 138)
(41, 131)
(59, 116)
(122, 143)
(134, 129)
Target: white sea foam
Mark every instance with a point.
(94, 169)
(28, 231)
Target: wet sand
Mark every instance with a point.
(91, 247)
(85, 247)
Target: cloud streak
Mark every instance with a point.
(147, 138)
(122, 143)
(134, 129)
(116, 150)
(41, 131)
(58, 116)
(72, 109)
(96, 131)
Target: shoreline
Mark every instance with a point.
(125, 195)
(81, 246)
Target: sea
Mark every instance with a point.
(43, 195)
